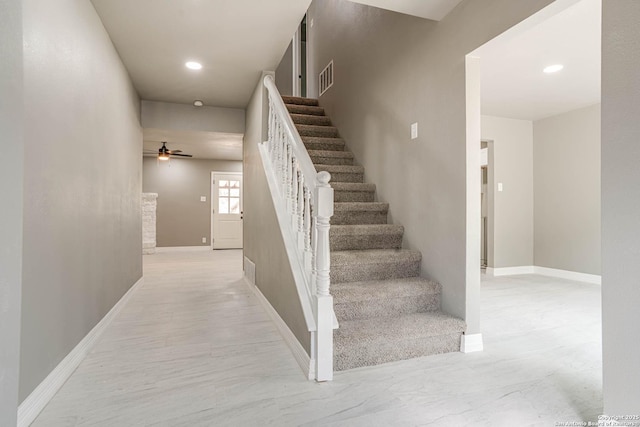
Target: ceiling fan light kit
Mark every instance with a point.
(198, 103)
(164, 154)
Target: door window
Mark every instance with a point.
(229, 196)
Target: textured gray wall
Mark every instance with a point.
(392, 70)
(182, 219)
(83, 162)
(284, 73)
(513, 207)
(263, 242)
(567, 191)
(621, 205)
(11, 175)
(166, 115)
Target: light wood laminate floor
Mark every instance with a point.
(193, 347)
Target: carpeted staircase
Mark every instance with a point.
(386, 310)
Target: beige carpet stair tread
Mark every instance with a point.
(366, 229)
(377, 290)
(299, 101)
(321, 131)
(387, 329)
(360, 206)
(330, 153)
(310, 119)
(374, 256)
(323, 143)
(353, 187)
(305, 109)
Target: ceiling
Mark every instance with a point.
(235, 40)
(513, 83)
(429, 9)
(202, 145)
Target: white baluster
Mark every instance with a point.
(300, 212)
(287, 176)
(308, 253)
(294, 198)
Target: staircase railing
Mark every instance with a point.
(307, 198)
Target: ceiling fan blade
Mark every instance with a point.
(174, 151)
(181, 155)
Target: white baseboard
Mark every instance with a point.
(545, 271)
(40, 397)
(570, 275)
(470, 343)
(509, 271)
(166, 249)
(306, 363)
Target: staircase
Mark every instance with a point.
(385, 309)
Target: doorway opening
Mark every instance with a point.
(300, 59)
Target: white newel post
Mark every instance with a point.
(149, 206)
(324, 300)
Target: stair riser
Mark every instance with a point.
(375, 353)
(346, 176)
(328, 146)
(311, 120)
(378, 271)
(353, 218)
(299, 101)
(347, 242)
(387, 307)
(305, 109)
(319, 131)
(343, 161)
(353, 196)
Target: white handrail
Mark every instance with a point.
(307, 198)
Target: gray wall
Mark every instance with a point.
(392, 70)
(621, 205)
(567, 191)
(263, 242)
(82, 219)
(284, 73)
(166, 115)
(11, 175)
(182, 219)
(512, 165)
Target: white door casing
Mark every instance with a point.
(226, 210)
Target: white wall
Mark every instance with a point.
(184, 117)
(284, 73)
(511, 215)
(567, 191)
(621, 205)
(11, 209)
(82, 182)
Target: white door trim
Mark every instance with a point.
(213, 198)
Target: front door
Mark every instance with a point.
(226, 210)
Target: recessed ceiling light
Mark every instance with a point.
(198, 103)
(192, 65)
(553, 68)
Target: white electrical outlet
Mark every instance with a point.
(203, 198)
(204, 240)
(499, 186)
(414, 130)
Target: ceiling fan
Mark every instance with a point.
(165, 154)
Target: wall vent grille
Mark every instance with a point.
(326, 78)
(250, 270)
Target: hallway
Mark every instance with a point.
(193, 347)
